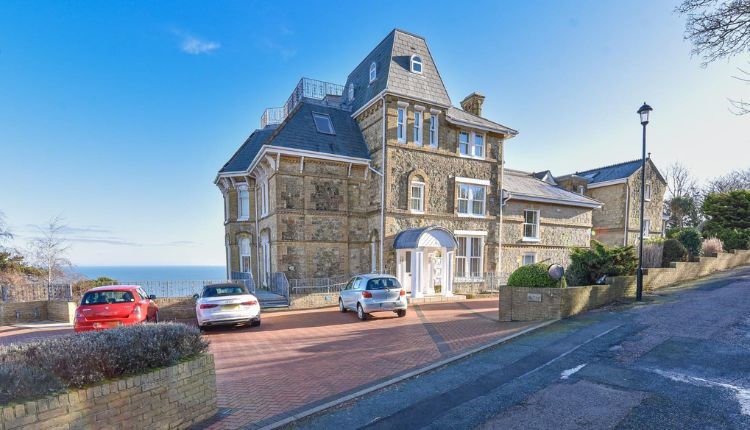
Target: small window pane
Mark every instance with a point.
(463, 143)
(323, 123)
(478, 145)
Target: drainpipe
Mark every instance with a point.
(382, 192)
(257, 233)
(627, 213)
(502, 203)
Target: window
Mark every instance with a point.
(417, 197)
(407, 265)
(646, 228)
(418, 128)
(530, 225)
(581, 189)
(463, 143)
(478, 145)
(471, 199)
(469, 257)
(647, 193)
(351, 92)
(471, 144)
(416, 64)
(226, 206)
(529, 258)
(243, 203)
(323, 123)
(264, 197)
(400, 128)
(373, 71)
(245, 264)
(433, 130)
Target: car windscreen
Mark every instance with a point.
(383, 284)
(227, 290)
(107, 297)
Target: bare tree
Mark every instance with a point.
(680, 182)
(684, 197)
(734, 180)
(50, 248)
(719, 29)
(5, 233)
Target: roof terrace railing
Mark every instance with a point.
(305, 88)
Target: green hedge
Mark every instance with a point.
(35, 369)
(532, 276)
(673, 251)
(589, 265)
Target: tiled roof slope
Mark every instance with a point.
(462, 116)
(298, 131)
(610, 173)
(522, 184)
(392, 57)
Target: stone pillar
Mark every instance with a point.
(448, 274)
(417, 261)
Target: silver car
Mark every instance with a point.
(373, 293)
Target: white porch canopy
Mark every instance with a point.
(424, 259)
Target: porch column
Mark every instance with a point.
(417, 259)
(448, 274)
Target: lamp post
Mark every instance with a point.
(643, 112)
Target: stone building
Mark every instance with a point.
(618, 187)
(381, 174)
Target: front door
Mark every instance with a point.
(406, 281)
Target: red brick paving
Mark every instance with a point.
(299, 358)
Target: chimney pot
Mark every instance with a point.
(473, 103)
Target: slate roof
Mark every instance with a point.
(522, 184)
(298, 131)
(614, 171)
(392, 56)
(469, 118)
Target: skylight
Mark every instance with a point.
(323, 123)
(373, 71)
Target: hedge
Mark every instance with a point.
(532, 276)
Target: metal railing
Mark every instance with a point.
(479, 283)
(305, 88)
(35, 292)
(167, 289)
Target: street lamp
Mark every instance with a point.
(643, 112)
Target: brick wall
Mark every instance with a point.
(177, 397)
(61, 311)
(24, 312)
(315, 300)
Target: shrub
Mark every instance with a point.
(532, 276)
(589, 265)
(84, 359)
(728, 218)
(652, 254)
(81, 287)
(19, 382)
(691, 239)
(673, 233)
(712, 246)
(673, 251)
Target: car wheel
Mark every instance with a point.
(342, 309)
(255, 322)
(361, 313)
(401, 313)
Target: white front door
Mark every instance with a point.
(407, 270)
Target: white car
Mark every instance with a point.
(373, 293)
(226, 304)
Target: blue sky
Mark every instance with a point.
(117, 115)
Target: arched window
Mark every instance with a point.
(263, 196)
(351, 92)
(416, 64)
(245, 252)
(373, 71)
(416, 192)
(243, 203)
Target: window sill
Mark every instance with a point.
(470, 215)
(417, 212)
(243, 219)
(469, 279)
(530, 239)
(471, 156)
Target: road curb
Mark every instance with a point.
(408, 375)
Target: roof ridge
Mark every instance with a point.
(368, 55)
(607, 166)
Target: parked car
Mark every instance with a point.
(114, 306)
(365, 294)
(226, 304)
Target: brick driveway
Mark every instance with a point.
(300, 359)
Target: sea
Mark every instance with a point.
(154, 273)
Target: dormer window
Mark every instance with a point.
(416, 64)
(323, 123)
(351, 92)
(373, 72)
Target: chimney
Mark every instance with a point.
(473, 103)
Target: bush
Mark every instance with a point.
(78, 360)
(712, 246)
(19, 382)
(589, 265)
(652, 254)
(81, 287)
(673, 233)
(673, 251)
(691, 239)
(728, 218)
(532, 276)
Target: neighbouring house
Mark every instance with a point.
(618, 187)
(384, 174)
(541, 221)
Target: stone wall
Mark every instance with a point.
(314, 300)
(23, 312)
(177, 397)
(62, 311)
(176, 308)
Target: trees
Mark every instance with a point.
(50, 249)
(589, 265)
(5, 233)
(719, 29)
(728, 218)
(683, 199)
(734, 180)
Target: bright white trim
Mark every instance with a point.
(412, 63)
(647, 192)
(473, 181)
(373, 72)
(499, 129)
(561, 202)
(421, 185)
(537, 224)
(470, 232)
(402, 104)
(607, 183)
(472, 144)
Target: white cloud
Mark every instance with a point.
(193, 45)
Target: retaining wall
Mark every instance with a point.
(25, 312)
(176, 397)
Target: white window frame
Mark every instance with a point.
(351, 91)
(245, 252)
(536, 226)
(401, 124)
(420, 200)
(226, 206)
(527, 255)
(646, 228)
(416, 59)
(373, 72)
(323, 117)
(472, 145)
(647, 192)
(434, 126)
(463, 262)
(264, 197)
(581, 190)
(471, 186)
(418, 120)
(243, 204)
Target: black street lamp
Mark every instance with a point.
(643, 112)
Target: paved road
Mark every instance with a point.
(681, 361)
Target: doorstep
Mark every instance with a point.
(436, 298)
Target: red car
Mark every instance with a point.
(114, 306)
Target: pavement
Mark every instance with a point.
(679, 361)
